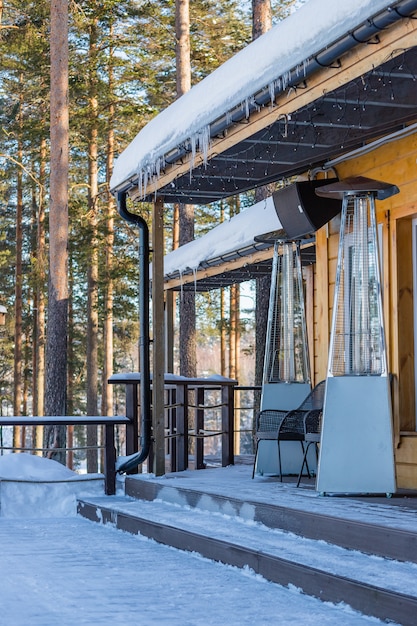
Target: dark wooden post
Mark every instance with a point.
(109, 460)
(199, 425)
(132, 434)
(173, 429)
(227, 425)
(182, 426)
(158, 352)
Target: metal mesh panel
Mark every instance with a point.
(286, 354)
(269, 420)
(357, 342)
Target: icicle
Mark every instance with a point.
(205, 143)
(247, 107)
(271, 88)
(146, 180)
(286, 78)
(200, 142)
(158, 168)
(195, 279)
(140, 183)
(181, 284)
(299, 70)
(193, 142)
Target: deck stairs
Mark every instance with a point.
(360, 551)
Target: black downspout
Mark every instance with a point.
(145, 379)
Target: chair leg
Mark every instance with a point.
(279, 460)
(254, 461)
(306, 459)
(304, 463)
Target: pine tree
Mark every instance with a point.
(56, 338)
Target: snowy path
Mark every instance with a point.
(71, 571)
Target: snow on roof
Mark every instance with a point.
(237, 233)
(314, 27)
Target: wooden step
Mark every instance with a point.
(390, 533)
(327, 572)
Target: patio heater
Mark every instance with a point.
(356, 452)
(286, 376)
(286, 379)
(286, 354)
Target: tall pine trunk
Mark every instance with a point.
(188, 346)
(92, 270)
(39, 352)
(188, 349)
(261, 23)
(56, 336)
(17, 374)
(107, 394)
(234, 337)
(70, 359)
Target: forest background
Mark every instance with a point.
(122, 72)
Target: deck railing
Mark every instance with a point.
(203, 417)
(187, 405)
(109, 424)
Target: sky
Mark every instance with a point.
(57, 568)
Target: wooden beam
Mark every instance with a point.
(158, 352)
(322, 315)
(229, 266)
(222, 268)
(355, 63)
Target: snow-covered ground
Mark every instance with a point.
(58, 568)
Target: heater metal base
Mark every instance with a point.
(356, 451)
(291, 458)
(283, 396)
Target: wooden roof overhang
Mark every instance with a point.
(362, 88)
(365, 93)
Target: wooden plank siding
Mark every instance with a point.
(321, 306)
(394, 163)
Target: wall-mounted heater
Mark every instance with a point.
(286, 377)
(356, 451)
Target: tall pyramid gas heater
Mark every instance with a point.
(286, 354)
(356, 452)
(286, 377)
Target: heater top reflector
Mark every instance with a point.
(356, 186)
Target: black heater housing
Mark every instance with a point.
(300, 211)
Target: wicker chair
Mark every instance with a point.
(268, 422)
(278, 425)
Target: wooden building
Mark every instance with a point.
(337, 96)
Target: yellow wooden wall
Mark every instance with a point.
(396, 163)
